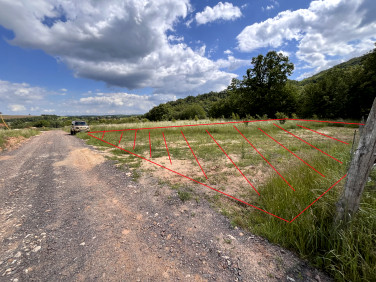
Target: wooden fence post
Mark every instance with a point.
(360, 168)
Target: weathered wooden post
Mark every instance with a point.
(359, 170)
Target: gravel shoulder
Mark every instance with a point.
(67, 213)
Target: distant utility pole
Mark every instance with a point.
(360, 168)
(1, 115)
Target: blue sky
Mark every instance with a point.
(126, 56)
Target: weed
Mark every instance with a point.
(184, 196)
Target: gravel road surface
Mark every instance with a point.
(68, 214)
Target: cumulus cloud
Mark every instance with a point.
(22, 98)
(17, 96)
(221, 11)
(16, 108)
(327, 29)
(121, 42)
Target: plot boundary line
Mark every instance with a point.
(291, 152)
(233, 163)
(265, 159)
(220, 123)
(150, 144)
(323, 134)
(219, 191)
(121, 136)
(196, 181)
(339, 180)
(194, 155)
(308, 143)
(135, 135)
(167, 148)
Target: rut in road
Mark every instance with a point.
(67, 214)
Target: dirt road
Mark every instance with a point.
(68, 214)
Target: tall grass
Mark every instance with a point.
(345, 252)
(6, 134)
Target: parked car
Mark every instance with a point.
(78, 126)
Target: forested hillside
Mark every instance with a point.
(344, 91)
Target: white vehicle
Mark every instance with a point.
(78, 126)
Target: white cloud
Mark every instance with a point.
(221, 11)
(173, 38)
(123, 43)
(17, 108)
(227, 52)
(325, 30)
(232, 63)
(22, 98)
(63, 89)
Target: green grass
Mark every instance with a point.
(345, 252)
(6, 134)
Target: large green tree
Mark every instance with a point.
(264, 89)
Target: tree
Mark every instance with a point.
(265, 85)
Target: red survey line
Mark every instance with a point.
(135, 135)
(233, 163)
(194, 154)
(167, 148)
(322, 134)
(150, 144)
(220, 123)
(265, 159)
(318, 198)
(291, 152)
(328, 121)
(194, 180)
(189, 125)
(121, 136)
(308, 143)
(103, 134)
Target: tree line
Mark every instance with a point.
(344, 91)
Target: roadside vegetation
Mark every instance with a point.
(13, 136)
(346, 253)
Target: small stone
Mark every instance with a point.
(43, 234)
(241, 234)
(82, 244)
(230, 237)
(15, 280)
(17, 255)
(8, 270)
(290, 279)
(138, 269)
(317, 277)
(36, 249)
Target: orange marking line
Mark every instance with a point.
(265, 159)
(194, 154)
(233, 163)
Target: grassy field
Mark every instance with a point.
(15, 135)
(346, 252)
